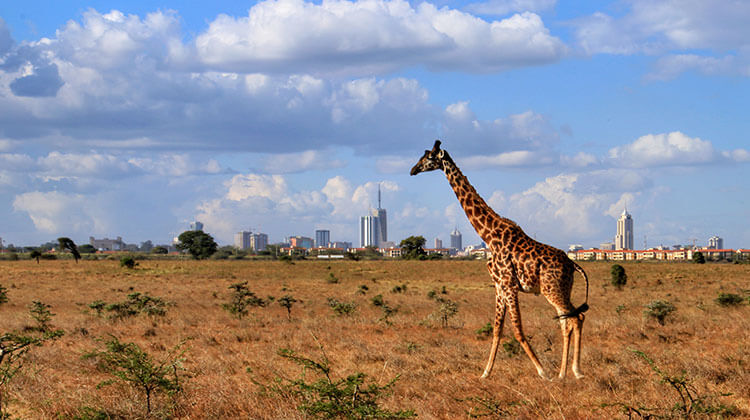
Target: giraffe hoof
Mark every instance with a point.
(485, 375)
(580, 375)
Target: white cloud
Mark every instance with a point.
(509, 159)
(503, 7)
(677, 27)
(301, 162)
(369, 36)
(738, 155)
(261, 201)
(664, 150)
(56, 212)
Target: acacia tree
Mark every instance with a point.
(35, 254)
(199, 244)
(67, 243)
(413, 247)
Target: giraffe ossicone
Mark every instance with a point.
(518, 263)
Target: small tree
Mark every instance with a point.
(13, 347)
(35, 254)
(41, 314)
(87, 249)
(67, 243)
(698, 258)
(132, 366)
(659, 309)
(159, 250)
(128, 261)
(200, 245)
(619, 277)
(241, 299)
(413, 247)
(286, 302)
(3, 295)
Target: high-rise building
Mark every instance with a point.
(382, 216)
(322, 238)
(456, 240)
(373, 229)
(301, 242)
(438, 243)
(624, 237)
(715, 242)
(242, 239)
(258, 242)
(369, 231)
(196, 225)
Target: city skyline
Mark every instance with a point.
(130, 119)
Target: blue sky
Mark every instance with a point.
(133, 118)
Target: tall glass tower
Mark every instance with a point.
(624, 237)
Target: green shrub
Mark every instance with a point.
(41, 314)
(659, 310)
(3, 295)
(331, 398)
(484, 331)
(512, 347)
(399, 288)
(446, 310)
(729, 299)
(342, 308)
(130, 365)
(240, 299)
(377, 300)
(619, 277)
(128, 261)
(331, 279)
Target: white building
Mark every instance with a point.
(369, 231)
(438, 243)
(715, 242)
(624, 237)
(456, 240)
(107, 244)
(242, 239)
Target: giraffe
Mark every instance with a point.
(518, 263)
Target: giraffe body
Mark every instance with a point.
(518, 264)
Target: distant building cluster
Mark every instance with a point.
(623, 249)
(246, 240)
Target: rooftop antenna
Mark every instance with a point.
(379, 196)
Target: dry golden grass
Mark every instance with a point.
(439, 367)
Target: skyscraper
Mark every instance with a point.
(369, 231)
(382, 216)
(258, 241)
(373, 229)
(196, 225)
(438, 243)
(242, 239)
(456, 240)
(624, 237)
(322, 238)
(715, 242)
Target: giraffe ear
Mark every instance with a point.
(441, 154)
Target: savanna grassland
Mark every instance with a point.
(436, 359)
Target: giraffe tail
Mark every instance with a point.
(583, 308)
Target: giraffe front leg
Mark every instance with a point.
(497, 332)
(515, 316)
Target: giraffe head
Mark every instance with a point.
(432, 159)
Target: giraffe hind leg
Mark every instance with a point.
(567, 328)
(577, 333)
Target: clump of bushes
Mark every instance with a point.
(659, 310)
(342, 308)
(136, 303)
(128, 261)
(330, 398)
(618, 276)
(240, 299)
(729, 299)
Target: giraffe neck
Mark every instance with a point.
(479, 213)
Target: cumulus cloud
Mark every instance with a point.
(367, 37)
(672, 149)
(503, 7)
(261, 200)
(55, 212)
(673, 27)
(573, 206)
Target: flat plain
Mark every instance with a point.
(436, 357)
